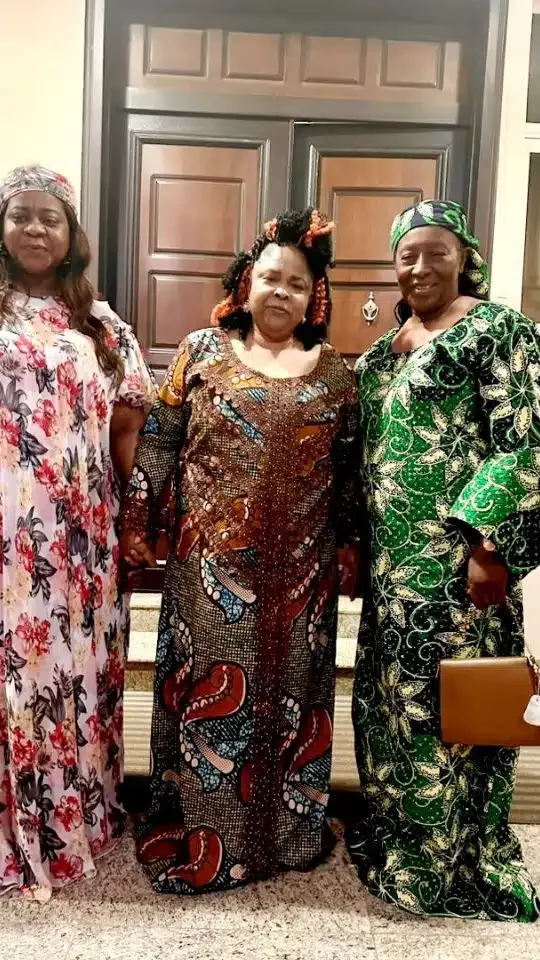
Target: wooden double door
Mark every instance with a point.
(197, 190)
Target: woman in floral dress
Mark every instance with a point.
(74, 390)
(247, 458)
(450, 421)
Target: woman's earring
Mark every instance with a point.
(64, 267)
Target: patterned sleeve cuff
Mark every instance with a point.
(135, 516)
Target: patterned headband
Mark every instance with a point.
(23, 179)
(451, 215)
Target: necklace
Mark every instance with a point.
(33, 296)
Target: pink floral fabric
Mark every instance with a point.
(63, 619)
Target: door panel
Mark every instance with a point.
(350, 333)
(199, 206)
(199, 193)
(362, 195)
(362, 180)
(295, 64)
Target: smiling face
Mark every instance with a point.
(36, 233)
(429, 261)
(281, 287)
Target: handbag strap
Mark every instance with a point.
(532, 660)
(534, 663)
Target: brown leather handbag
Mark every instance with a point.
(483, 701)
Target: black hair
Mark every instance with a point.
(290, 228)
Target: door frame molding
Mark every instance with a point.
(486, 126)
(485, 176)
(92, 145)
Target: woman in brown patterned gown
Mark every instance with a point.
(246, 460)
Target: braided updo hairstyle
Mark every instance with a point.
(310, 233)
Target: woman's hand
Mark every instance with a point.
(487, 577)
(136, 552)
(349, 565)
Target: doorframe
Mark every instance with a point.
(92, 145)
(487, 118)
(519, 139)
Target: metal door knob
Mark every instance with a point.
(370, 309)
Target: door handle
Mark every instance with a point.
(370, 309)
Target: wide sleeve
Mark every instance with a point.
(502, 499)
(159, 451)
(138, 387)
(346, 454)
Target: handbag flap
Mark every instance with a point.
(483, 702)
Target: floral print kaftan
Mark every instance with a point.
(63, 621)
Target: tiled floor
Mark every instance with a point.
(324, 915)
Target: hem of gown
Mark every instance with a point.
(447, 915)
(32, 893)
(328, 843)
(533, 901)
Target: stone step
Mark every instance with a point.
(138, 705)
(142, 654)
(145, 609)
(138, 721)
(140, 676)
(142, 650)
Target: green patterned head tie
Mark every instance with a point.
(449, 214)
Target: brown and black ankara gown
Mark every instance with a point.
(253, 477)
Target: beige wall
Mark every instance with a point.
(511, 211)
(41, 85)
(531, 596)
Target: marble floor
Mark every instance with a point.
(324, 915)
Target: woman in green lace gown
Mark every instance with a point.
(450, 418)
